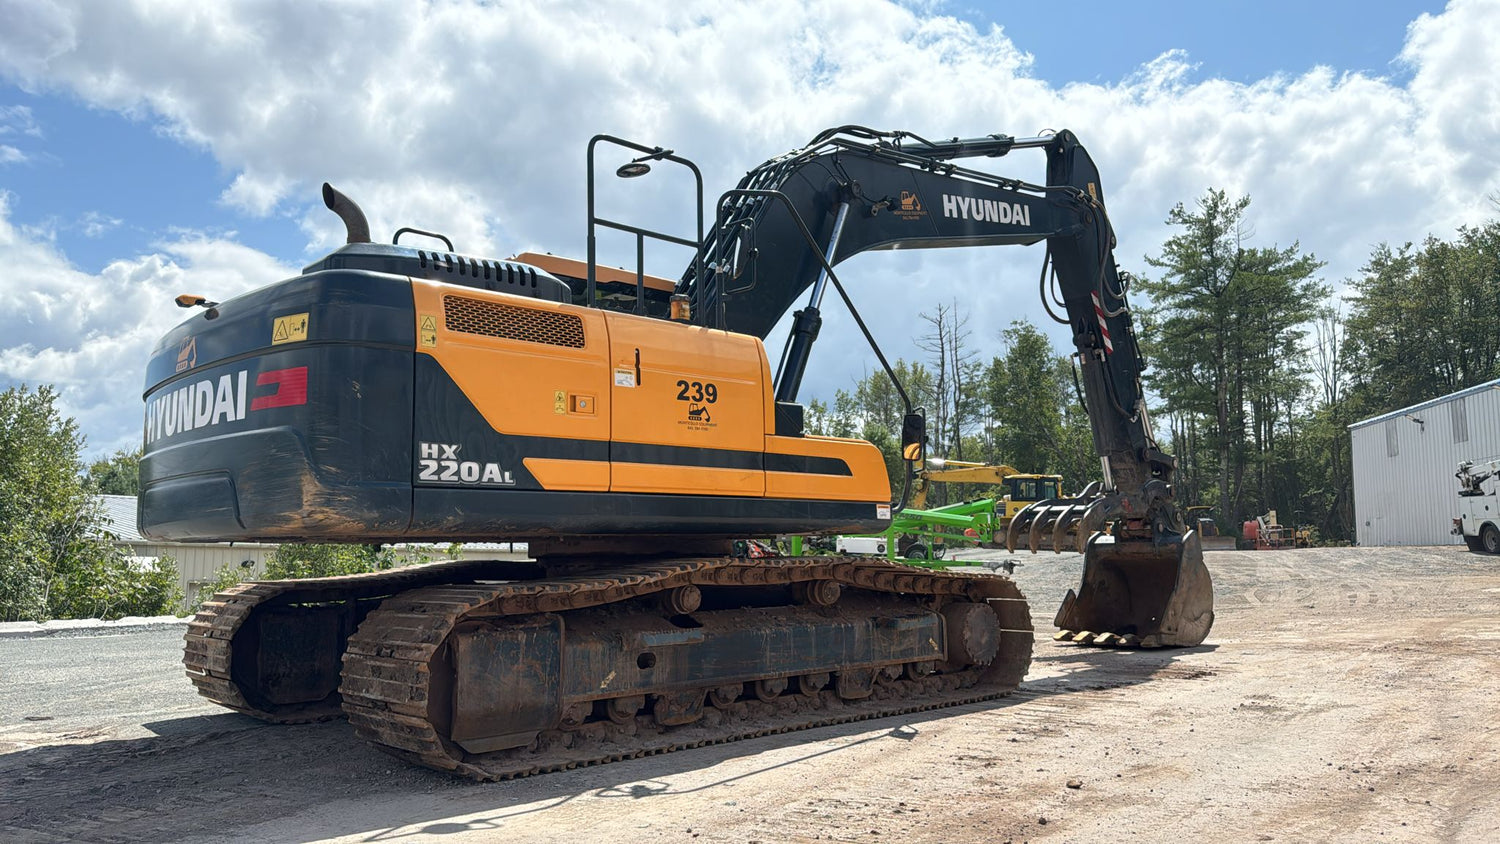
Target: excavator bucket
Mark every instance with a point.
(1139, 593)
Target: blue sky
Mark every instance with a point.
(1230, 39)
(147, 150)
(126, 176)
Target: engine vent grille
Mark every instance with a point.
(492, 319)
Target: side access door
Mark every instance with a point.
(687, 409)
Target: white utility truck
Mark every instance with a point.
(1478, 520)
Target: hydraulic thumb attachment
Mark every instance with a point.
(1146, 589)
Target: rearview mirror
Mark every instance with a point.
(913, 437)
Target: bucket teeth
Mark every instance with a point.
(1104, 640)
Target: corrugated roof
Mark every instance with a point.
(1477, 388)
(119, 517)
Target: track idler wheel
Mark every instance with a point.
(1140, 593)
(810, 685)
(673, 709)
(918, 670)
(723, 697)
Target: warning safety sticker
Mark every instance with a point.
(427, 330)
(291, 328)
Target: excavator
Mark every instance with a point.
(1021, 488)
(631, 430)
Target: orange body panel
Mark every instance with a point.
(685, 480)
(684, 387)
(867, 481)
(688, 410)
(520, 387)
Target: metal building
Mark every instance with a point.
(197, 562)
(1404, 491)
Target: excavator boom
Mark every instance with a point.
(858, 190)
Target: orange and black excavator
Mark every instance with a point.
(630, 428)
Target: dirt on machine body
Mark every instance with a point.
(631, 430)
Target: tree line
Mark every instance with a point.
(1256, 367)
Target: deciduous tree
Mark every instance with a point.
(55, 559)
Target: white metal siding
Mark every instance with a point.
(1404, 491)
(198, 564)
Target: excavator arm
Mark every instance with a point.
(956, 472)
(853, 190)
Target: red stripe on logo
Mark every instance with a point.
(291, 388)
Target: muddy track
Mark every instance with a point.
(386, 676)
(207, 653)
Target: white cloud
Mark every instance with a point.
(472, 119)
(16, 123)
(95, 224)
(91, 334)
(254, 195)
(18, 120)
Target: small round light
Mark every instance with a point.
(633, 169)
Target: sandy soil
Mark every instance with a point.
(1344, 695)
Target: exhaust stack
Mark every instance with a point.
(354, 219)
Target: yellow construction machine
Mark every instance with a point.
(1022, 488)
(1200, 518)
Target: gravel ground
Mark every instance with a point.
(1345, 694)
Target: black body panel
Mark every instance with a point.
(301, 437)
(510, 277)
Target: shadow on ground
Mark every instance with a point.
(217, 775)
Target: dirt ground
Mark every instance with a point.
(1344, 695)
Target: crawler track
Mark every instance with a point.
(208, 652)
(387, 680)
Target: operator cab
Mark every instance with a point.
(1028, 488)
